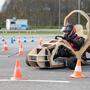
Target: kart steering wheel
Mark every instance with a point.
(57, 37)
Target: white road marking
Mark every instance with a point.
(43, 81)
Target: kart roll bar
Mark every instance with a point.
(87, 43)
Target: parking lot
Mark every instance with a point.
(36, 79)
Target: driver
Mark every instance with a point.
(76, 43)
(70, 35)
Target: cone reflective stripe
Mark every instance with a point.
(78, 71)
(21, 51)
(5, 47)
(17, 71)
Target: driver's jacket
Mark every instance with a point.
(75, 41)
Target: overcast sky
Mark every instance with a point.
(2, 3)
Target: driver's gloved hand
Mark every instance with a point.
(57, 37)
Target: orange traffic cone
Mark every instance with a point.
(21, 51)
(78, 71)
(5, 47)
(40, 41)
(19, 40)
(27, 33)
(17, 71)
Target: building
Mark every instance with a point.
(16, 24)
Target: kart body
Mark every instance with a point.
(43, 57)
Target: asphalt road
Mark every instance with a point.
(37, 79)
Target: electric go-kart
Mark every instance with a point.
(48, 55)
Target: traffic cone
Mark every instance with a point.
(40, 41)
(19, 40)
(17, 71)
(21, 50)
(27, 33)
(78, 71)
(5, 47)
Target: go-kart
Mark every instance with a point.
(44, 57)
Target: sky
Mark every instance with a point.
(1, 4)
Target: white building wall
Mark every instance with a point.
(8, 24)
(19, 24)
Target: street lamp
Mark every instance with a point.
(79, 7)
(59, 15)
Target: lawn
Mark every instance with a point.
(31, 32)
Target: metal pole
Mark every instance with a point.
(79, 7)
(59, 15)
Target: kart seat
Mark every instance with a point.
(80, 31)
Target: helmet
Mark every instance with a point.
(69, 28)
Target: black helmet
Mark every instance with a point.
(69, 28)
